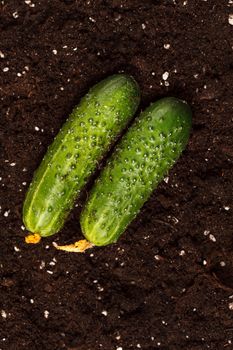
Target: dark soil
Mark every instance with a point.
(168, 283)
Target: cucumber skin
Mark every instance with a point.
(76, 150)
(141, 159)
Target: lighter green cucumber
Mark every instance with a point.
(75, 152)
(145, 154)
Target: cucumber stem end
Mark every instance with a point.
(33, 238)
(77, 247)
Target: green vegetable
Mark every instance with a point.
(145, 154)
(73, 156)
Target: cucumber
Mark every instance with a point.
(144, 155)
(75, 152)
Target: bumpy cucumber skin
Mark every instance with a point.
(140, 161)
(75, 152)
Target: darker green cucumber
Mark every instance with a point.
(142, 158)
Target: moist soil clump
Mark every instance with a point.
(167, 284)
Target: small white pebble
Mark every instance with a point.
(194, 309)
(212, 238)
(166, 179)
(204, 262)
(230, 305)
(55, 52)
(23, 228)
(46, 313)
(222, 263)
(31, 301)
(15, 14)
(16, 249)
(12, 164)
(19, 75)
(118, 337)
(37, 128)
(26, 68)
(139, 346)
(62, 88)
(182, 252)
(157, 257)
(165, 75)
(24, 183)
(6, 69)
(4, 314)
(143, 26)
(167, 46)
(104, 312)
(230, 19)
(2, 54)
(50, 272)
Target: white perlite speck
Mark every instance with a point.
(143, 26)
(226, 208)
(167, 46)
(212, 238)
(92, 19)
(206, 232)
(230, 305)
(6, 214)
(15, 14)
(165, 75)
(46, 313)
(4, 314)
(55, 52)
(2, 54)
(166, 179)
(36, 128)
(230, 19)
(104, 312)
(6, 69)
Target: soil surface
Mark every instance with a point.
(168, 282)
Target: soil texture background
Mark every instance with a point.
(168, 282)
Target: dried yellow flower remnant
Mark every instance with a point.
(33, 238)
(77, 247)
